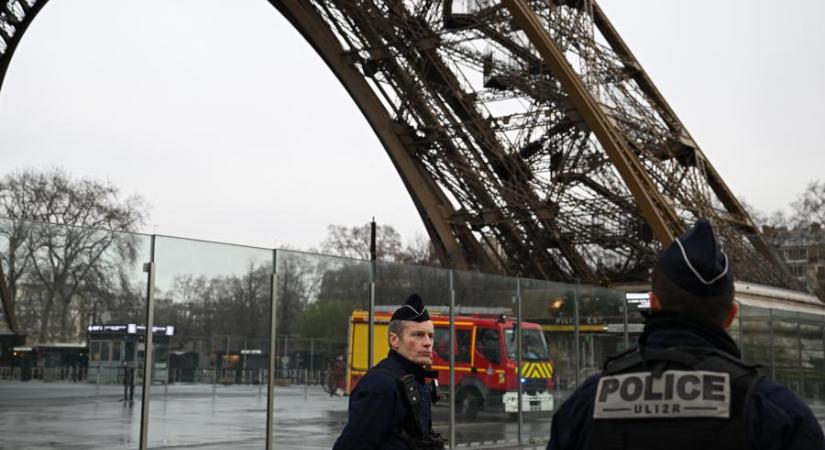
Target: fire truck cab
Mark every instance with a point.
(485, 346)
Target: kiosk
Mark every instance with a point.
(117, 349)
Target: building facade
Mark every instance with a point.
(803, 249)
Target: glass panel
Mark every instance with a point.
(601, 327)
(756, 339)
(116, 345)
(812, 335)
(393, 284)
(95, 353)
(104, 351)
(320, 307)
(486, 391)
(74, 289)
(211, 343)
(552, 306)
(786, 349)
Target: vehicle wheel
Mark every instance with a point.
(468, 404)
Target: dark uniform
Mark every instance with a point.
(377, 410)
(773, 419)
(685, 386)
(391, 407)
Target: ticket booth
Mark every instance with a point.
(116, 348)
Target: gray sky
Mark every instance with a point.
(227, 122)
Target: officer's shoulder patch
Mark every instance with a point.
(674, 394)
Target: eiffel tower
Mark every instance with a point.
(523, 126)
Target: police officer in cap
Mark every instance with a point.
(685, 386)
(390, 408)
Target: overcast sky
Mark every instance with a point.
(231, 127)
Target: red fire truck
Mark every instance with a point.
(485, 359)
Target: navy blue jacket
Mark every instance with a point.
(776, 418)
(377, 409)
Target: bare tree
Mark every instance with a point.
(65, 236)
(354, 242)
(247, 302)
(204, 310)
(419, 250)
(809, 206)
(14, 262)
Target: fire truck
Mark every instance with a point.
(486, 369)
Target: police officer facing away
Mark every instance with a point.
(390, 407)
(685, 386)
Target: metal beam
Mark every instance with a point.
(715, 181)
(654, 207)
(432, 204)
(20, 28)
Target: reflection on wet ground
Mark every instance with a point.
(36, 415)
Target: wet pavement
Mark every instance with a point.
(36, 415)
(68, 416)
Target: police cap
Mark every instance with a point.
(695, 262)
(413, 309)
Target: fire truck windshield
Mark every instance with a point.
(533, 345)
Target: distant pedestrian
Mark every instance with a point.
(390, 408)
(128, 382)
(125, 372)
(685, 386)
(335, 375)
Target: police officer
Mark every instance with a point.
(390, 407)
(685, 386)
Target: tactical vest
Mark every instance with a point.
(412, 431)
(674, 399)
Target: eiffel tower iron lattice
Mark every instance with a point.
(530, 138)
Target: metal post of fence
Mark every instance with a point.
(799, 349)
(148, 352)
(97, 383)
(576, 336)
(452, 363)
(312, 356)
(226, 361)
(626, 323)
(770, 337)
(270, 379)
(519, 361)
(371, 310)
(285, 367)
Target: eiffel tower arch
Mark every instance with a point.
(529, 137)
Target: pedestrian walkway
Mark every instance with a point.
(36, 415)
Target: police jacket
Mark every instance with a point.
(377, 410)
(773, 417)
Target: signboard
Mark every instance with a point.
(640, 299)
(131, 328)
(673, 394)
(619, 327)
